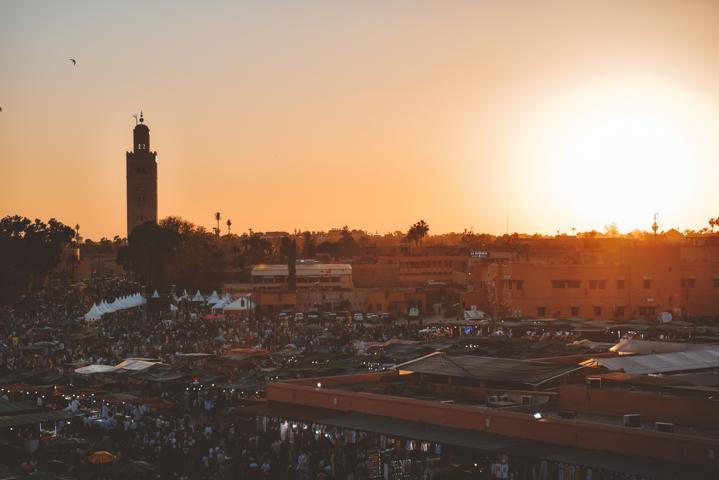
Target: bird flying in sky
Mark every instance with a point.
(74, 62)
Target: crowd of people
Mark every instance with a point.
(187, 429)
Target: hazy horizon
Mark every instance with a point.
(314, 115)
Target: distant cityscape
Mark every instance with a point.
(194, 346)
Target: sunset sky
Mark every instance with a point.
(374, 114)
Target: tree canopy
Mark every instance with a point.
(29, 251)
(417, 232)
(173, 252)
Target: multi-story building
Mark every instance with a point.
(639, 281)
(336, 276)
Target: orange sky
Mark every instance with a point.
(313, 115)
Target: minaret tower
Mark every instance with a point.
(141, 178)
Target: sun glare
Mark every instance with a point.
(618, 154)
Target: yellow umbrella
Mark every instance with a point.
(102, 456)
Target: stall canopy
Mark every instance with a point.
(120, 303)
(242, 304)
(661, 362)
(92, 369)
(491, 369)
(128, 365)
(198, 297)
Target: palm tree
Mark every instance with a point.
(714, 222)
(229, 225)
(417, 232)
(217, 217)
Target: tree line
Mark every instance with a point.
(29, 251)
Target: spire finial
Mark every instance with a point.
(141, 119)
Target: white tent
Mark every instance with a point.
(138, 300)
(120, 303)
(104, 307)
(242, 304)
(94, 313)
(198, 297)
(125, 302)
(213, 298)
(156, 294)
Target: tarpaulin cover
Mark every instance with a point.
(499, 370)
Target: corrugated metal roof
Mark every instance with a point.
(498, 370)
(663, 362)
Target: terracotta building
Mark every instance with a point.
(637, 281)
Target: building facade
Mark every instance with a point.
(330, 276)
(141, 171)
(640, 281)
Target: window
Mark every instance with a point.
(716, 282)
(646, 311)
(647, 283)
(687, 282)
(541, 311)
(620, 284)
(519, 284)
(597, 284)
(574, 311)
(566, 283)
(558, 284)
(618, 311)
(597, 311)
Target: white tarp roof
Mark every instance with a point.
(628, 346)
(135, 364)
(129, 365)
(90, 369)
(661, 362)
(156, 294)
(198, 297)
(241, 304)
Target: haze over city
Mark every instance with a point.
(313, 115)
